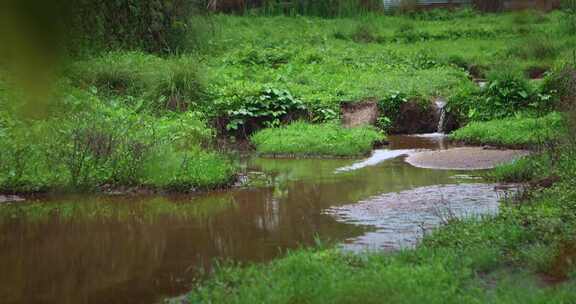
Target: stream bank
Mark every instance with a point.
(160, 245)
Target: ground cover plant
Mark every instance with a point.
(513, 131)
(244, 76)
(92, 143)
(303, 139)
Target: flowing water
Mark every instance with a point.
(441, 108)
(140, 249)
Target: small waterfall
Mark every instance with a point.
(441, 108)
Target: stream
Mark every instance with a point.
(142, 249)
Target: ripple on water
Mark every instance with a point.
(400, 219)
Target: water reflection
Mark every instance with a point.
(139, 249)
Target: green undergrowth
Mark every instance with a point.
(320, 63)
(304, 139)
(543, 167)
(513, 132)
(91, 143)
(500, 259)
(529, 168)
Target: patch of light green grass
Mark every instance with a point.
(516, 131)
(303, 139)
(187, 170)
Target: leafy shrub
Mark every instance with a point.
(268, 109)
(389, 107)
(303, 139)
(506, 93)
(320, 113)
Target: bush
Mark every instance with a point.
(303, 139)
(268, 109)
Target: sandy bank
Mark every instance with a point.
(469, 158)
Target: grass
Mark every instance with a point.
(95, 143)
(316, 63)
(524, 169)
(304, 139)
(512, 132)
(187, 170)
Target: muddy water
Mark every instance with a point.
(105, 249)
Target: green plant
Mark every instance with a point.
(513, 131)
(303, 139)
(364, 33)
(525, 169)
(268, 109)
(389, 107)
(180, 89)
(506, 93)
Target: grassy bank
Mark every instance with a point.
(524, 254)
(513, 132)
(92, 143)
(303, 139)
(116, 115)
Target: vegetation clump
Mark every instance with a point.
(513, 132)
(303, 139)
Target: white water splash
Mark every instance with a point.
(377, 157)
(441, 108)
